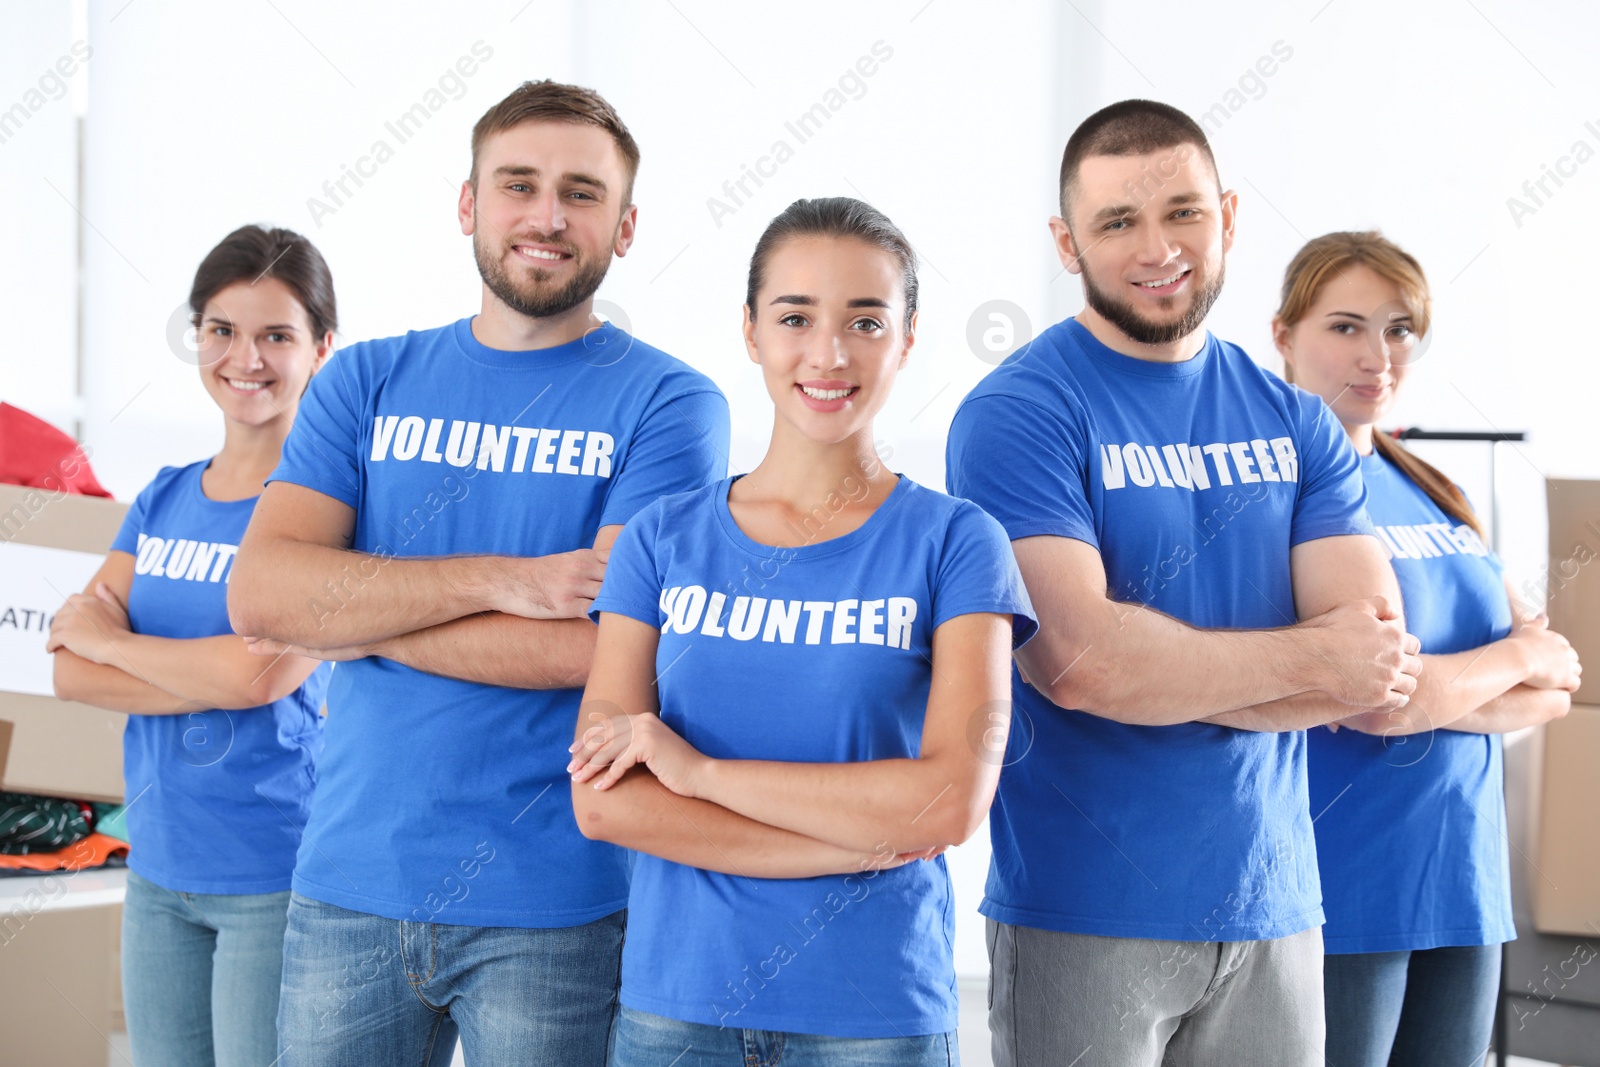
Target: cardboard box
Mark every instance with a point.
(1574, 576)
(58, 748)
(1566, 866)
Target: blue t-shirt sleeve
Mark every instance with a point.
(322, 450)
(1332, 499)
(1024, 465)
(127, 539)
(680, 445)
(632, 585)
(978, 573)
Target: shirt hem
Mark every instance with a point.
(1413, 942)
(1150, 931)
(210, 887)
(745, 1019)
(456, 916)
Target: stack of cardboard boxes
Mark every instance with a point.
(1553, 971)
(58, 933)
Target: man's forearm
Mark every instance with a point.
(320, 597)
(498, 649)
(1143, 667)
(1299, 712)
(639, 813)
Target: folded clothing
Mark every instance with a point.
(96, 850)
(31, 824)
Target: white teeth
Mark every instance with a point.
(248, 387)
(535, 253)
(1163, 281)
(825, 394)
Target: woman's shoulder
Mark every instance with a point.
(677, 509)
(168, 479)
(937, 510)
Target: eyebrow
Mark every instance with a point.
(1118, 211)
(576, 177)
(811, 301)
(1362, 318)
(281, 327)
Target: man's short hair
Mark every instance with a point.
(549, 101)
(1129, 128)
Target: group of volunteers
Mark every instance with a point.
(627, 761)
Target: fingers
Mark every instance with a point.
(602, 744)
(265, 646)
(1380, 607)
(618, 768)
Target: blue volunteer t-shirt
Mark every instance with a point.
(823, 654)
(443, 800)
(217, 800)
(1193, 480)
(1411, 831)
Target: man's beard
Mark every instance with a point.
(532, 297)
(1122, 315)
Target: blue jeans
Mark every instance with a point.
(361, 990)
(645, 1040)
(1429, 1008)
(200, 975)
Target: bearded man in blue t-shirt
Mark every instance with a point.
(1193, 535)
(439, 524)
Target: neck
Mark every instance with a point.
(1102, 329)
(498, 326)
(805, 473)
(1360, 436)
(249, 453)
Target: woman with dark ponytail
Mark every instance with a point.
(799, 699)
(221, 744)
(1410, 814)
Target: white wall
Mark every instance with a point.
(39, 188)
(1421, 119)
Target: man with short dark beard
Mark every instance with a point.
(440, 524)
(1175, 510)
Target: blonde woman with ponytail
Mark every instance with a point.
(1410, 824)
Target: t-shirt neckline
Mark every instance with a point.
(1143, 368)
(855, 537)
(590, 346)
(197, 472)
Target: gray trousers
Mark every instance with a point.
(1075, 1000)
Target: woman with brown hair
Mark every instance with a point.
(1410, 815)
(221, 745)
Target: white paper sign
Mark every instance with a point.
(34, 582)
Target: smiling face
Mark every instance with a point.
(257, 351)
(829, 333)
(1352, 348)
(1149, 234)
(546, 213)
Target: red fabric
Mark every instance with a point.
(36, 454)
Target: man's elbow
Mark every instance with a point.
(253, 585)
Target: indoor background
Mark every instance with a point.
(1467, 130)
